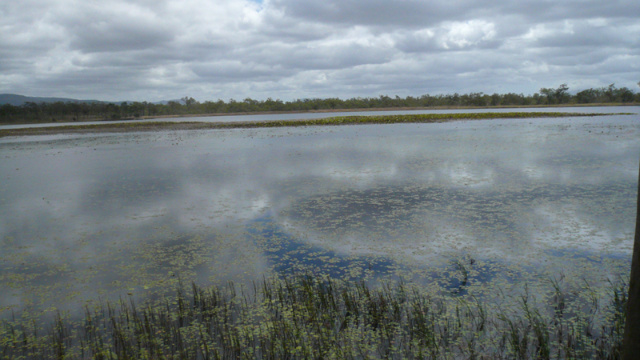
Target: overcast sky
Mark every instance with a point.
(150, 50)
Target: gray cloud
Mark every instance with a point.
(373, 13)
(153, 50)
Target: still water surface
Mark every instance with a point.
(461, 207)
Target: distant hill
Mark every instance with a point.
(17, 100)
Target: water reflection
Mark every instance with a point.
(456, 205)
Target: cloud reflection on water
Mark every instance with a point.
(106, 215)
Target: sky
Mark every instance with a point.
(152, 50)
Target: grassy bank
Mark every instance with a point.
(341, 120)
(306, 317)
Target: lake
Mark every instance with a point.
(465, 208)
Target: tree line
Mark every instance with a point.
(77, 111)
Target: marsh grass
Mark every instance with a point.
(331, 121)
(305, 317)
(410, 118)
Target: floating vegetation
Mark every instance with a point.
(304, 317)
(413, 118)
(339, 120)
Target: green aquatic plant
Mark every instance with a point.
(313, 316)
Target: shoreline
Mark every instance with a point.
(119, 127)
(323, 111)
(403, 108)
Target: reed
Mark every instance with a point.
(307, 316)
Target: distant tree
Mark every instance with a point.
(75, 109)
(513, 99)
(626, 95)
(558, 95)
(561, 93)
(538, 99)
(549, 94)
(587, 96)
(188, 101)
(137, 109)
(610, 92)
(112, 111)
(124, 109)
(187, 105)
(175, 107)
(8, 112)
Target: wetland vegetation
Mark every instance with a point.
(330, 121)
(311, 317)
(441, 239)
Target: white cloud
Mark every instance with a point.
(153, 50)
(465, 34)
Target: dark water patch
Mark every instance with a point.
(289, 256)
